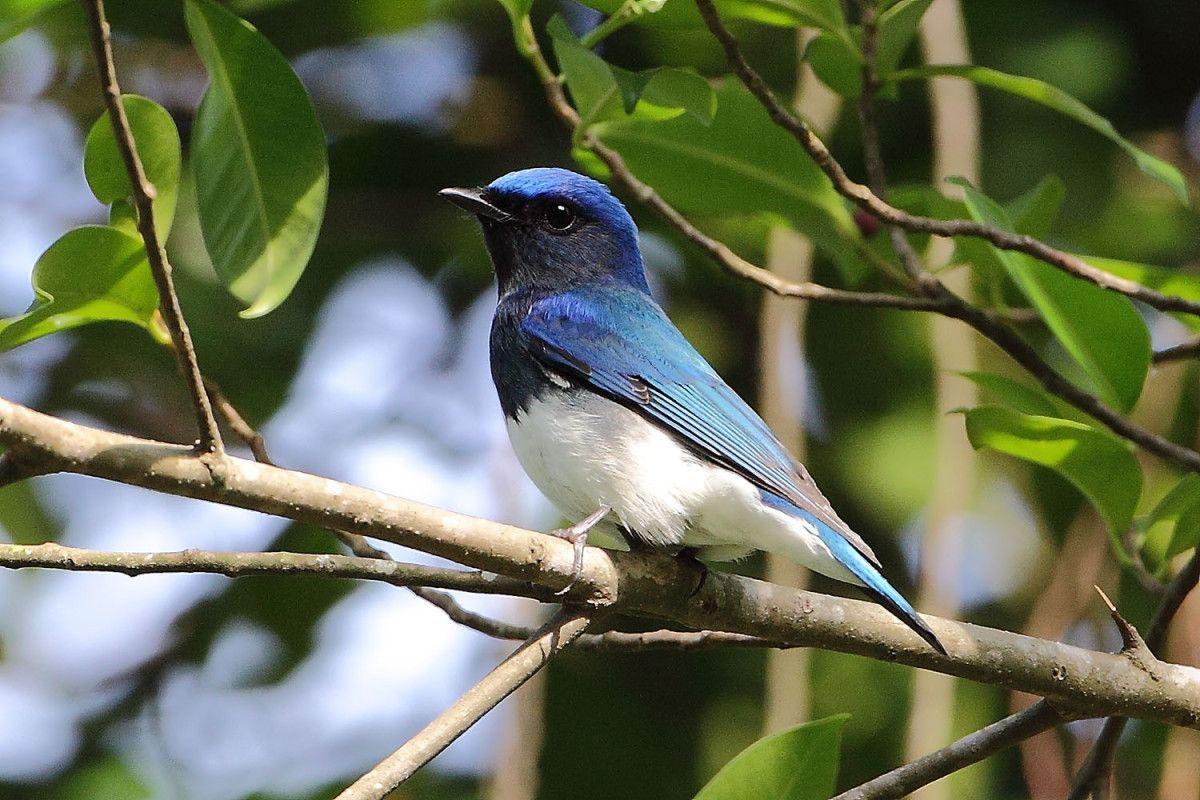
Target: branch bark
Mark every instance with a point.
(650, 585)
(481, 698)
(156, 254)
(238, 565)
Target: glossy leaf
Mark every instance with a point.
(797, 764)
(838, 60)
(259, 157)
(1014, 395)
(738, 165)
(1173, 527)
(157, 142)
(1168, 281)
(1034, 212)
(1101, 330)
(1052, 97)
(91, 274)
(824, 15)
(1101, 466)
(17, 15)
(604, 91)
(896, 29)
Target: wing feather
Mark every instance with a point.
(647, 365)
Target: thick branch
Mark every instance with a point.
(481, 698)
(870, 201)
(650, 585)
(156, 254)
(968, 750)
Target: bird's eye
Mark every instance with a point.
(560, 217)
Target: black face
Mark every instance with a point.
(548, 241)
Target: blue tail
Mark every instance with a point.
(875, 585)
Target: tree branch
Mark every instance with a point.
(644, 584)
(871, 202)
(970, 749)
(1178, 352)
(143, 197)
(937, 298)
(1094, 775)
(481, 698)
(717, 250)
(236, 565)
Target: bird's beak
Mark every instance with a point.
(473, 200)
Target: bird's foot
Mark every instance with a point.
(577, 535)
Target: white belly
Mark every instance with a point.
(584, 451)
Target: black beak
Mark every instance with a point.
(473, 200)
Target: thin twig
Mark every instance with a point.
(871, 202)
(1095, 773)
(523, 664)
(717, 250)
(1178, 352)
(236, 565)
(970, 749)
(143, 197)
(934, 291)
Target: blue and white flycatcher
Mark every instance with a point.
(617, 418)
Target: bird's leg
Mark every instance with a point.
(577, 535)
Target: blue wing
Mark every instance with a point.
(622, 345)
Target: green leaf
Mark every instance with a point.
(91, 274)
(1101, 330)
(1034, 212)
(1101, 466)
(825, 15)
(1052, 97)
(797, 764)
(895, 31)
(1173, 527)
(157, 143)
(1168, 281)
(590, 79)
(17, 15)
(838, 60)
(1015, 395)
(603, 91)
(259, 157)
(741, 164)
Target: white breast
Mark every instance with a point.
(584, 451)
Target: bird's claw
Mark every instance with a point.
(577, 535)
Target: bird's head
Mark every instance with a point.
(551, 228)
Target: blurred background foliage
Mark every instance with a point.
(374, 370)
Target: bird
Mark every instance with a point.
(613, 414)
